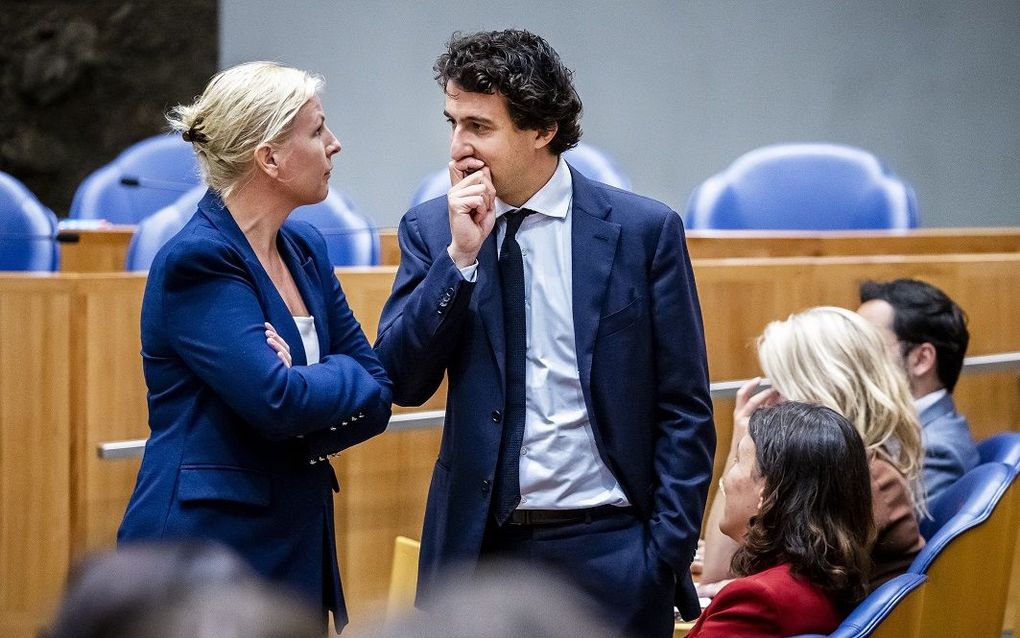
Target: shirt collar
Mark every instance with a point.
(552, 200)
(929, 400)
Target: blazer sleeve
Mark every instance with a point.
(742, 608)
(214, 322)
(420, 325)
(347, 338)
(685, 440)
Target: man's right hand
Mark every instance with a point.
(472, 200)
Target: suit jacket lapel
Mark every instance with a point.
(594, 240)
(302, 269)
(213, 208)
(490, 301)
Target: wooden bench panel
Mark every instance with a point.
(70, 378)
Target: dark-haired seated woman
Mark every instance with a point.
(803, 527)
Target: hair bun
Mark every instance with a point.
(194, 135)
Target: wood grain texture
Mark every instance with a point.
(70, 378)
(98, 250)
(35, 449)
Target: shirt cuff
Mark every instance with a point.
(469, 273)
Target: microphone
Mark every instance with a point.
(137, 181)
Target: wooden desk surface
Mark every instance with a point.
(105, 249)
(96, 249)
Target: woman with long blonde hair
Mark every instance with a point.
(833, 357)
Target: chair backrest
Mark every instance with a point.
(968, 558)
(595, 164)
(1001, 448)
(157, 229)
(351, 238)
(893, 610)
(803, 187)
(27, 230)
(588, 160)
(403, 576)
(144, 178)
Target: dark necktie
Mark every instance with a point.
(507, 489)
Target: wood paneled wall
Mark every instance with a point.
(70, 378)
(35, 448)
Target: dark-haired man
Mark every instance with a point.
(578, 428)
(927, 333)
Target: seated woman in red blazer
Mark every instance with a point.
(798, 503)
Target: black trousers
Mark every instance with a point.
(609, 559)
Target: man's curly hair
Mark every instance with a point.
(523, 68)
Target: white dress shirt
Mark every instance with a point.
(929, 400)
(560, 464)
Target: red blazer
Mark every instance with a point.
(773, 603)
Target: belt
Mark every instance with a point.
(564, 517)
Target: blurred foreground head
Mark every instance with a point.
(503, 600)
(176, 590)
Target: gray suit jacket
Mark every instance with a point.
(949, 450)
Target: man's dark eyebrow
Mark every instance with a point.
(471, 118)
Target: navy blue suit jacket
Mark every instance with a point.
(641, 358)
(238, 443)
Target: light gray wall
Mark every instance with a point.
(674, 91)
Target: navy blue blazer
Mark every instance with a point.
(640, 349)
(239, 441)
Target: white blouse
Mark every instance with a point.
(309, 338)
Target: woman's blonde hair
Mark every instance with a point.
(834, 357)
(240, 109)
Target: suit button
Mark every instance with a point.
(497, 416)
(485, 486)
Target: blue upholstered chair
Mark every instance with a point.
(893, 610)
(969, 554)
(351, 238)
(966, 503)
(803, 187)
(27, 229)
(588, 160)
(143, 179)
(157, 229)
(1001, 448)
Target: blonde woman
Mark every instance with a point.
(256, 369)
(833, 357)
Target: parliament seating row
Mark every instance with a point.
(351, 237)
(787, 186)
(782, 186)
(72, 363)
(976, 517)
(951, 589)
